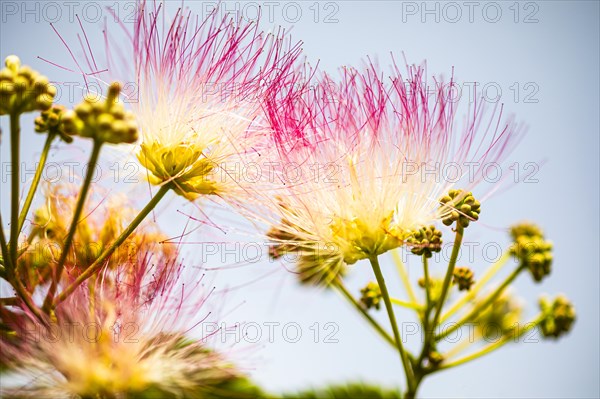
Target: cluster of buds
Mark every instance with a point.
(532, 250)
(22, 89)
(425, 241)
(463, 277)
(461, 207)
(371, 296)
(105, 121)
(49, 122)
(559, 316)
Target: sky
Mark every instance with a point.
(539, 58)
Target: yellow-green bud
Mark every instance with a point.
(435, 358)
(463, 277)
(559, 316)
(13, 63)
(425, 241)
(371, 296)
(459, 206)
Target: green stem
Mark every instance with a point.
(99, 262)
(492, 347)
(74, 222)
(481, 306)
(344, 291)
(15, 129)
(36, 179)
(427, 291)
(449, 274)
(390, 311)
(5, 251)
(429, 332)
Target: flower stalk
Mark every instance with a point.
(410, 381)
(15, 130)
(449, 274)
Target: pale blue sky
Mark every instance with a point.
(544, 56)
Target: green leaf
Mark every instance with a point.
(347, 391)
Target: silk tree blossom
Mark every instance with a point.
(361, 146)
(125, 336)
(195, 87)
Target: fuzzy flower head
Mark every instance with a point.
(121, 339)
(195, 88)
(105, 221)
(354, 153)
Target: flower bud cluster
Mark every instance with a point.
(560, 316)
(22, 89)
(463, 277)
(49, 122)
(532, 250)
(425, 241)
(105, 121)
(461, 207)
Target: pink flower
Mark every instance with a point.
(195, 87)
(354, 158)
(122, 336)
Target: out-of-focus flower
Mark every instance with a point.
(559, 316)
(371, 295)
(503, 314)
(355, 161)
(525, 229)
(103, 223)
(123, 339)
(22, 89)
